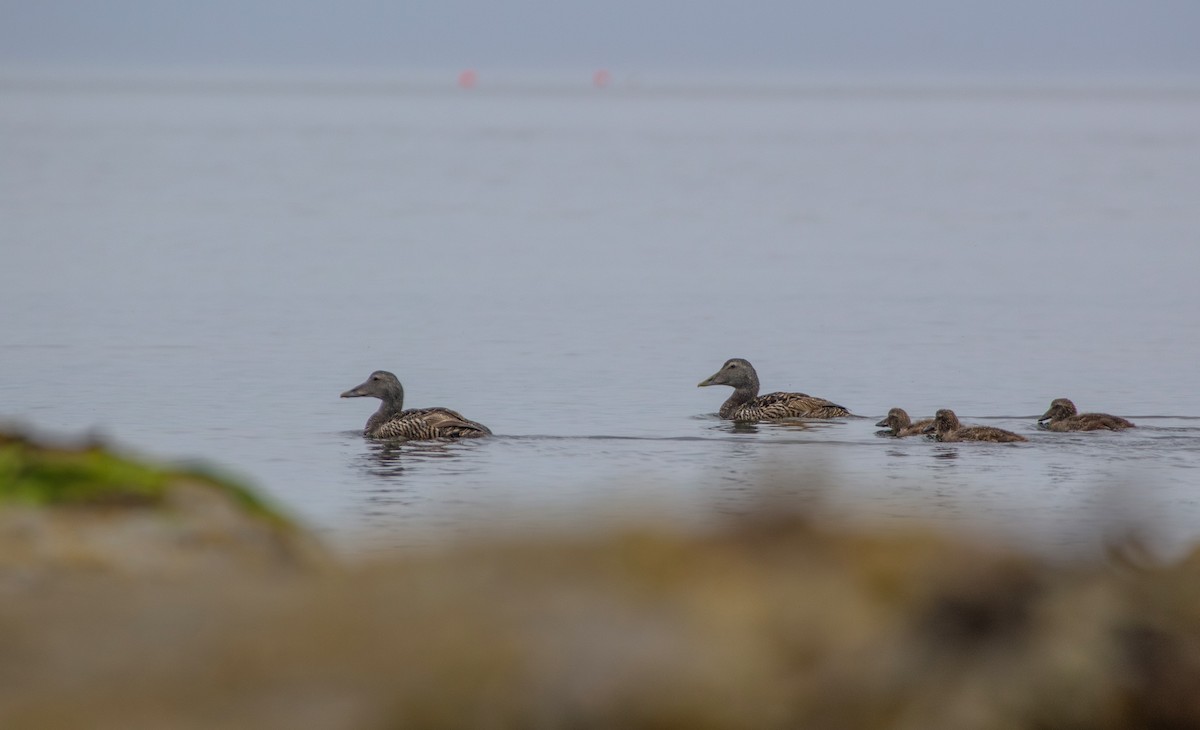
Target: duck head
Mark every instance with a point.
(381, 384)
(736, 373)
(1059, 408)
(944, 421)
(897, 418)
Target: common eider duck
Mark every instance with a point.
(747, 405)
(391, 421)
(946, 427)
(1062, 416)
(901, 425)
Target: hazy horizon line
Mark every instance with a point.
(616, 76)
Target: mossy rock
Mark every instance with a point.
(88, 506)
(32, 473)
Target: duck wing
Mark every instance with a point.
(452, 424)
(988, 433)
(1090, 422)
(917, 427)
(797, 405)
(1098, 421)
(429, 423)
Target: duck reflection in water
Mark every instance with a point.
(390, 459)
(748, 427)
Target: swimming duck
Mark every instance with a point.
(391, 421)
(1062, 416)
(946, 427)
(747, 405)
(901, 425)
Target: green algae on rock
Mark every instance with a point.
(86, 506)
(33, 473)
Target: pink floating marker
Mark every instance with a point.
(467, 79)
(601, 78)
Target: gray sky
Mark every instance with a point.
(1071, 37)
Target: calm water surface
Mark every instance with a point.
(197, 270)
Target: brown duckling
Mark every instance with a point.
(747, 405)
(1062, 416)
(901, 425)
(946, 427)
(391, 421)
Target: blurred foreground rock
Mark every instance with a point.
(767, 622)
(86, 509)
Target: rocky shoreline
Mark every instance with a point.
(138, 596)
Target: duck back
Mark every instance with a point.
(773, 406)
(1090, 422)
(988, 433)
(426, 423)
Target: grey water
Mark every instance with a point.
(197, 268)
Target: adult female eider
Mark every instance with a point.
(901, 425)
(391, 421)
(1062, 416)
(946, 427)
(747, 405)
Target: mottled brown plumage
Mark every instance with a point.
(946, 427)
(747, 405)
(1062, 416)
(391, 421)
(901, 425)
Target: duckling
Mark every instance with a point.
(1062, 416)
(747, 405)
(391, 421)
(901, 425)
(946, 427)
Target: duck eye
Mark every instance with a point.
(732, 365)
(374, 377)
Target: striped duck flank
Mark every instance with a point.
(391, 421)
(900, 425)
(747, 405)
(1062, 416)
(947, 428)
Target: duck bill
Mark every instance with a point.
(710, 380)
(357, 391)
(1045, 417)
(882, 423)
(931, 428)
